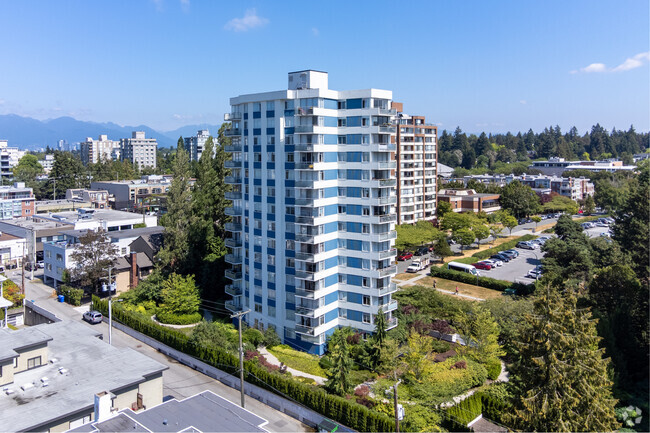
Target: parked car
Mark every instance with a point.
(482, 265)
(515, 252)
(494, 262)
(601, 224)
(40, 265)
(544, 238)
(534, 273)
(422, 251)
(504, 258)
(405, 256)
(93, 316)
(587, 225)
(605, 235)
(538, 241)
(610, 220)
(527, 245)
(419, 264)
(508, 253)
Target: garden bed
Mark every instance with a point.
(297, 360)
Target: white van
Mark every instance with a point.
(462, 267)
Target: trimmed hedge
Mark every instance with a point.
(478, 403)
(72, 296)
(480, 255)
(178, 319)
(487, 282)
(493, 367)
(339, 409)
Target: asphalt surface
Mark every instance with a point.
(179, 381)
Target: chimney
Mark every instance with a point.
(134, 270)
(103, 404)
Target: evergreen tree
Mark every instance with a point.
(338, 376)
(179, 216)
(560, 376)
(221, 203)
(67, 173)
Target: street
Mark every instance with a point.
(179, 381)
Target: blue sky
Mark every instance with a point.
(483, 65)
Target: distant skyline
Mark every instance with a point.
(493, 66)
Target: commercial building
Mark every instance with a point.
(98, 199)
(9, 157)
(12, 250)
(467, 200)
(139, 150)
(149, 192)
(195, 145)
(94, 151)
(313, 221)
(557, 166)
(16, 201)
(416, 168)
(203, 412)
(59, 376)
(61, 205)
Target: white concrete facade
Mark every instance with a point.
(313, 209)
(194, 145)
(139, 150)
(94, 151)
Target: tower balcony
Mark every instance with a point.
(233, 290)
(233, 306)
(230, 117)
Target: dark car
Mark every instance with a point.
(405, 256)
(509, 254)
(93, 317)
(422, 251)
(501, 257)
(515, 252)
(482, 265)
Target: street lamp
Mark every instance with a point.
(110, 319)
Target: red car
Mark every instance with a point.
(405, 256)
(482, 265)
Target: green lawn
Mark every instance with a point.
(300, 361)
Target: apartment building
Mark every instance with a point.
(313, 224)
(194, 145)
(149, 192)
(94, 151)
(98, 199)
(47, 163)
(9, 157)
(417, 157)
(16, 201)
(576, 188)
(139, 150)
(556, 166)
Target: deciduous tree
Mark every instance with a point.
(180, 295)
(92, 257)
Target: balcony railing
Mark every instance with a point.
(388, 218)
(233, 259)
(233, 195)
(233, 306)
(233, 275)
(387, 164)
(233, 148)
(304, 238)
(305, 275)
(388, 235)
(232, 211)
(305, 257)
(382, 272)
(391, 323)
(232, 132)
(231, 163)
(304, 147)
(304, 129)
(305, 220)
(302, 293)
(388, 111)
(232, 227)
(387, 200)
(304, 183)
(387, 182)
(387, 129)
(304, 165)
(305, 201)
(392, 287)
(229, 117)
(392, 305)
(305, 311)
(232, 179)
(232, 242)
(387, 254)
(233, 290)
(303, 329)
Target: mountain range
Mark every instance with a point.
(33, 134)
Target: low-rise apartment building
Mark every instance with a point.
(468, 200)
(16, 201)
(416, 145)
(94, 151)
(51, 376)
(97, 198)
(149, 192)
(9, 157)
(557, 166)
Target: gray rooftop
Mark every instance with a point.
(203, 412)
(93, 214)
(91, 368)
(10, 341)
(120, 234)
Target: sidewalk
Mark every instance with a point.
(275, 361)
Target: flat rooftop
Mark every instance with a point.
(203, 412)
(30, 224)
(91, 215)
(121, 234)
(10, 341)
(92, 366)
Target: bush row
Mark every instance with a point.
(504, 246)
(178, 319)
(478, 403)
(336, 408)
(487, 282)
(72, 296)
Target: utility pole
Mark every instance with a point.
(397, 382)
(110, 311)
(239, 315)
(23, 273)
(54, 181)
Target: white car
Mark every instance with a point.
(494, 262)
(534, 273)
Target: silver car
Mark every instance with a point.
(493, 262)
(93, 317)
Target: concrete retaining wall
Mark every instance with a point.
(294, 410)
(35, 315)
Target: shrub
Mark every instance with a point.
(441, 382)
(440, 346)
(465, 411)
(489, 283)
(301, 361)
(251, 354)
(253, 336)
(362, 391)
(72, 296)
(271, 337)
(325, 362)
(493, 367)
(338, 409)
(365, 401)
(459, 364)
(178, 319)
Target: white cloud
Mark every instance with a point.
(250, 21)
(159, 5)
(523, 102)
(629, 64)
(315, 31)
(185, 5)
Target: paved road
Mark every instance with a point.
(179, 380)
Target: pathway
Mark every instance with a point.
(417, 277)
(275, 361)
